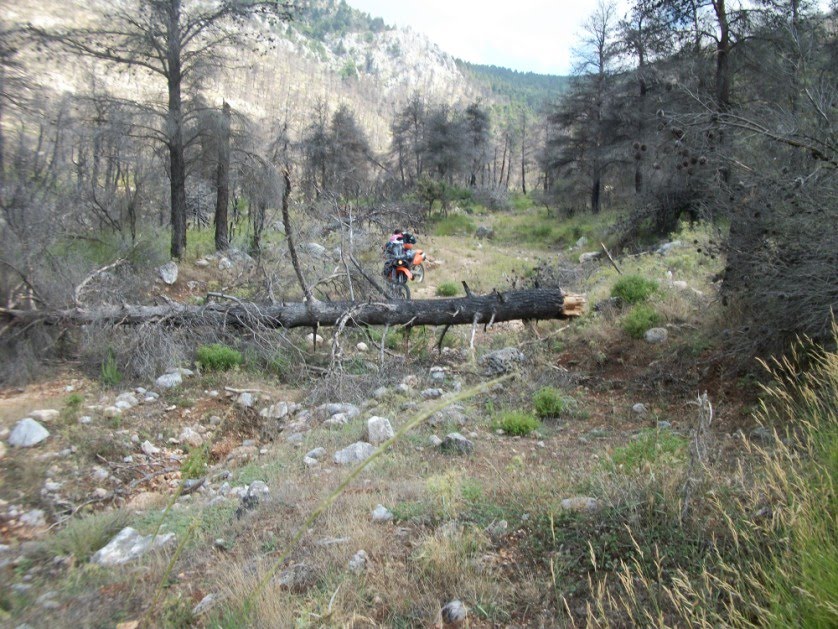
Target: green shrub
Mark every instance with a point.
(110, 374)
(516, 423)
(447, 289)
(652, 447)
(634, 289)
(548, 402)
(218, 357)
(195, 465)
(639, 319)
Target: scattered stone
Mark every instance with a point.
(332, 541)
(120, 406)
(202, 263)
(100, 474)
(381, 514)
(169, 380)
(214, 421)
(590, 256)
(317, 453)
(47, 601)
(259, 488)
(358, 563)
(225, 264)
(454, 614)
(27, 433)
(431, 394)
(111, 412)
(168, 272)
(437, 373)
(640, 409)
(85, 419)
(127, 398)
(656, 335)
(338, 419)
(582, 241)
(403, 388)
(450, 415)
(664, 425)
(297, 578)
(149, 448)
(455, 442)
(357, 452)
(220, 543)
(580, 504)
(205, 605)
(191, 437)
(362, 347)
(503, 360)
(35, 518)
(246, 400)
(380, 393)
(350, 410)
(275, 411)
(314, 339)
(379, 430)
(129, 545)
(295, 439)
(310, 462)
(315, 249)
(44, 415)
(434, 441)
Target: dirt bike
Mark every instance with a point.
(398, 274)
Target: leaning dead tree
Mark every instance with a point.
(530, 304)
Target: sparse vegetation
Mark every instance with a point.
(218, 357)
(549, 403)
(516, 423)
(447, 289)
(109, 372)
(639, 319)
(633, 289)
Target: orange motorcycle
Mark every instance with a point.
(404, 263)
(416, 258)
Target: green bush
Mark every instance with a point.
(516, 423)
(447, 289)
(634, 289)
(548, 402)
(110, 374)
(639, 319)
(218, 357)
(652, 447)
(195, 465)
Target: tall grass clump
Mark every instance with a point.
(516, 423)
(447, 289)
(774, 520)
(639, 319)
(218, 357)
(549, 402)
(634, 289)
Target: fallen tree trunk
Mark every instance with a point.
(495, 307)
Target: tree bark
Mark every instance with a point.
(174, 132)
(222, 181)
(497, 307)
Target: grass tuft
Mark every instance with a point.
(549, 402)
(447, 289)
(634, 289)
(639, 319)
(218, 357)
(516, 423)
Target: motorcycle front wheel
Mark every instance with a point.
(399, 290)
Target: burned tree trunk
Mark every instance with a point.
(495, 307)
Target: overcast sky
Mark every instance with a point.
(527, 35)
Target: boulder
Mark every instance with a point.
(362, 347)
(225, 264)
(450, 415)
(380, 393)
(434, 441)
(275, 411)
(317, 453)
(350, 410)
(27, 433)
(656, 335)
(35, 518)
(640, 409)
(169, 380)
(357, 452)
(168, 272)
(129, 545)
(314, 339)
(455, 442)
(149, 449)
(191, 437)
(246, 400)
(379, 430)
(503, 360)
(205, 605)
(454, 614)
(44, 415)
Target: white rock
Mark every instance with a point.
(205, 605)
(275, 411)
(431, 394)
(379, 430)
(362, 347)
(296, 438)
(111, 412)
(224, 264)
(259, 488)
(580, 503)
(310, 462)
(121, 405)
(381, 514)
(27, 433)
(454, 614)
(350, 410)
(191, 437)
(317, 453)
(380, 393)
(668, 246)
(35, 518)
(434, 441)
(202, 263)
(357, 452)
(656, 335)
(455, 442)
(44, 415)
(100, 474)
(338, 419)
(168, 272)
(127, 546)
(358, 563)
(589, 256)
(403, 388)
(246, 400)
(149, 448)
(437, 374)
(169, 380)
(314, 338)
(85, 419)
(128, 398)
(315, 249)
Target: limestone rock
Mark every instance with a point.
(35, 518)
(149, 448)
(191, 437)
(381, 514)
(589, 256)
(454, 614)
(169, 380)
(503, 360)
(640, 409)
(44, 415)
(127, 546)
(431, 394)
(316, 453)
(379, 430)
(434, 441)
(297, 578)
(656, 335)
(358, 563)
(246, 400)
(357, 452)
(27, 433)
(580, 503)
(455, 442)
(275, 411)
(205, 605)
(362, 347)
(168, 272)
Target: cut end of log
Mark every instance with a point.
(574, 305)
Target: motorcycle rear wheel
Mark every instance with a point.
(418, 273)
